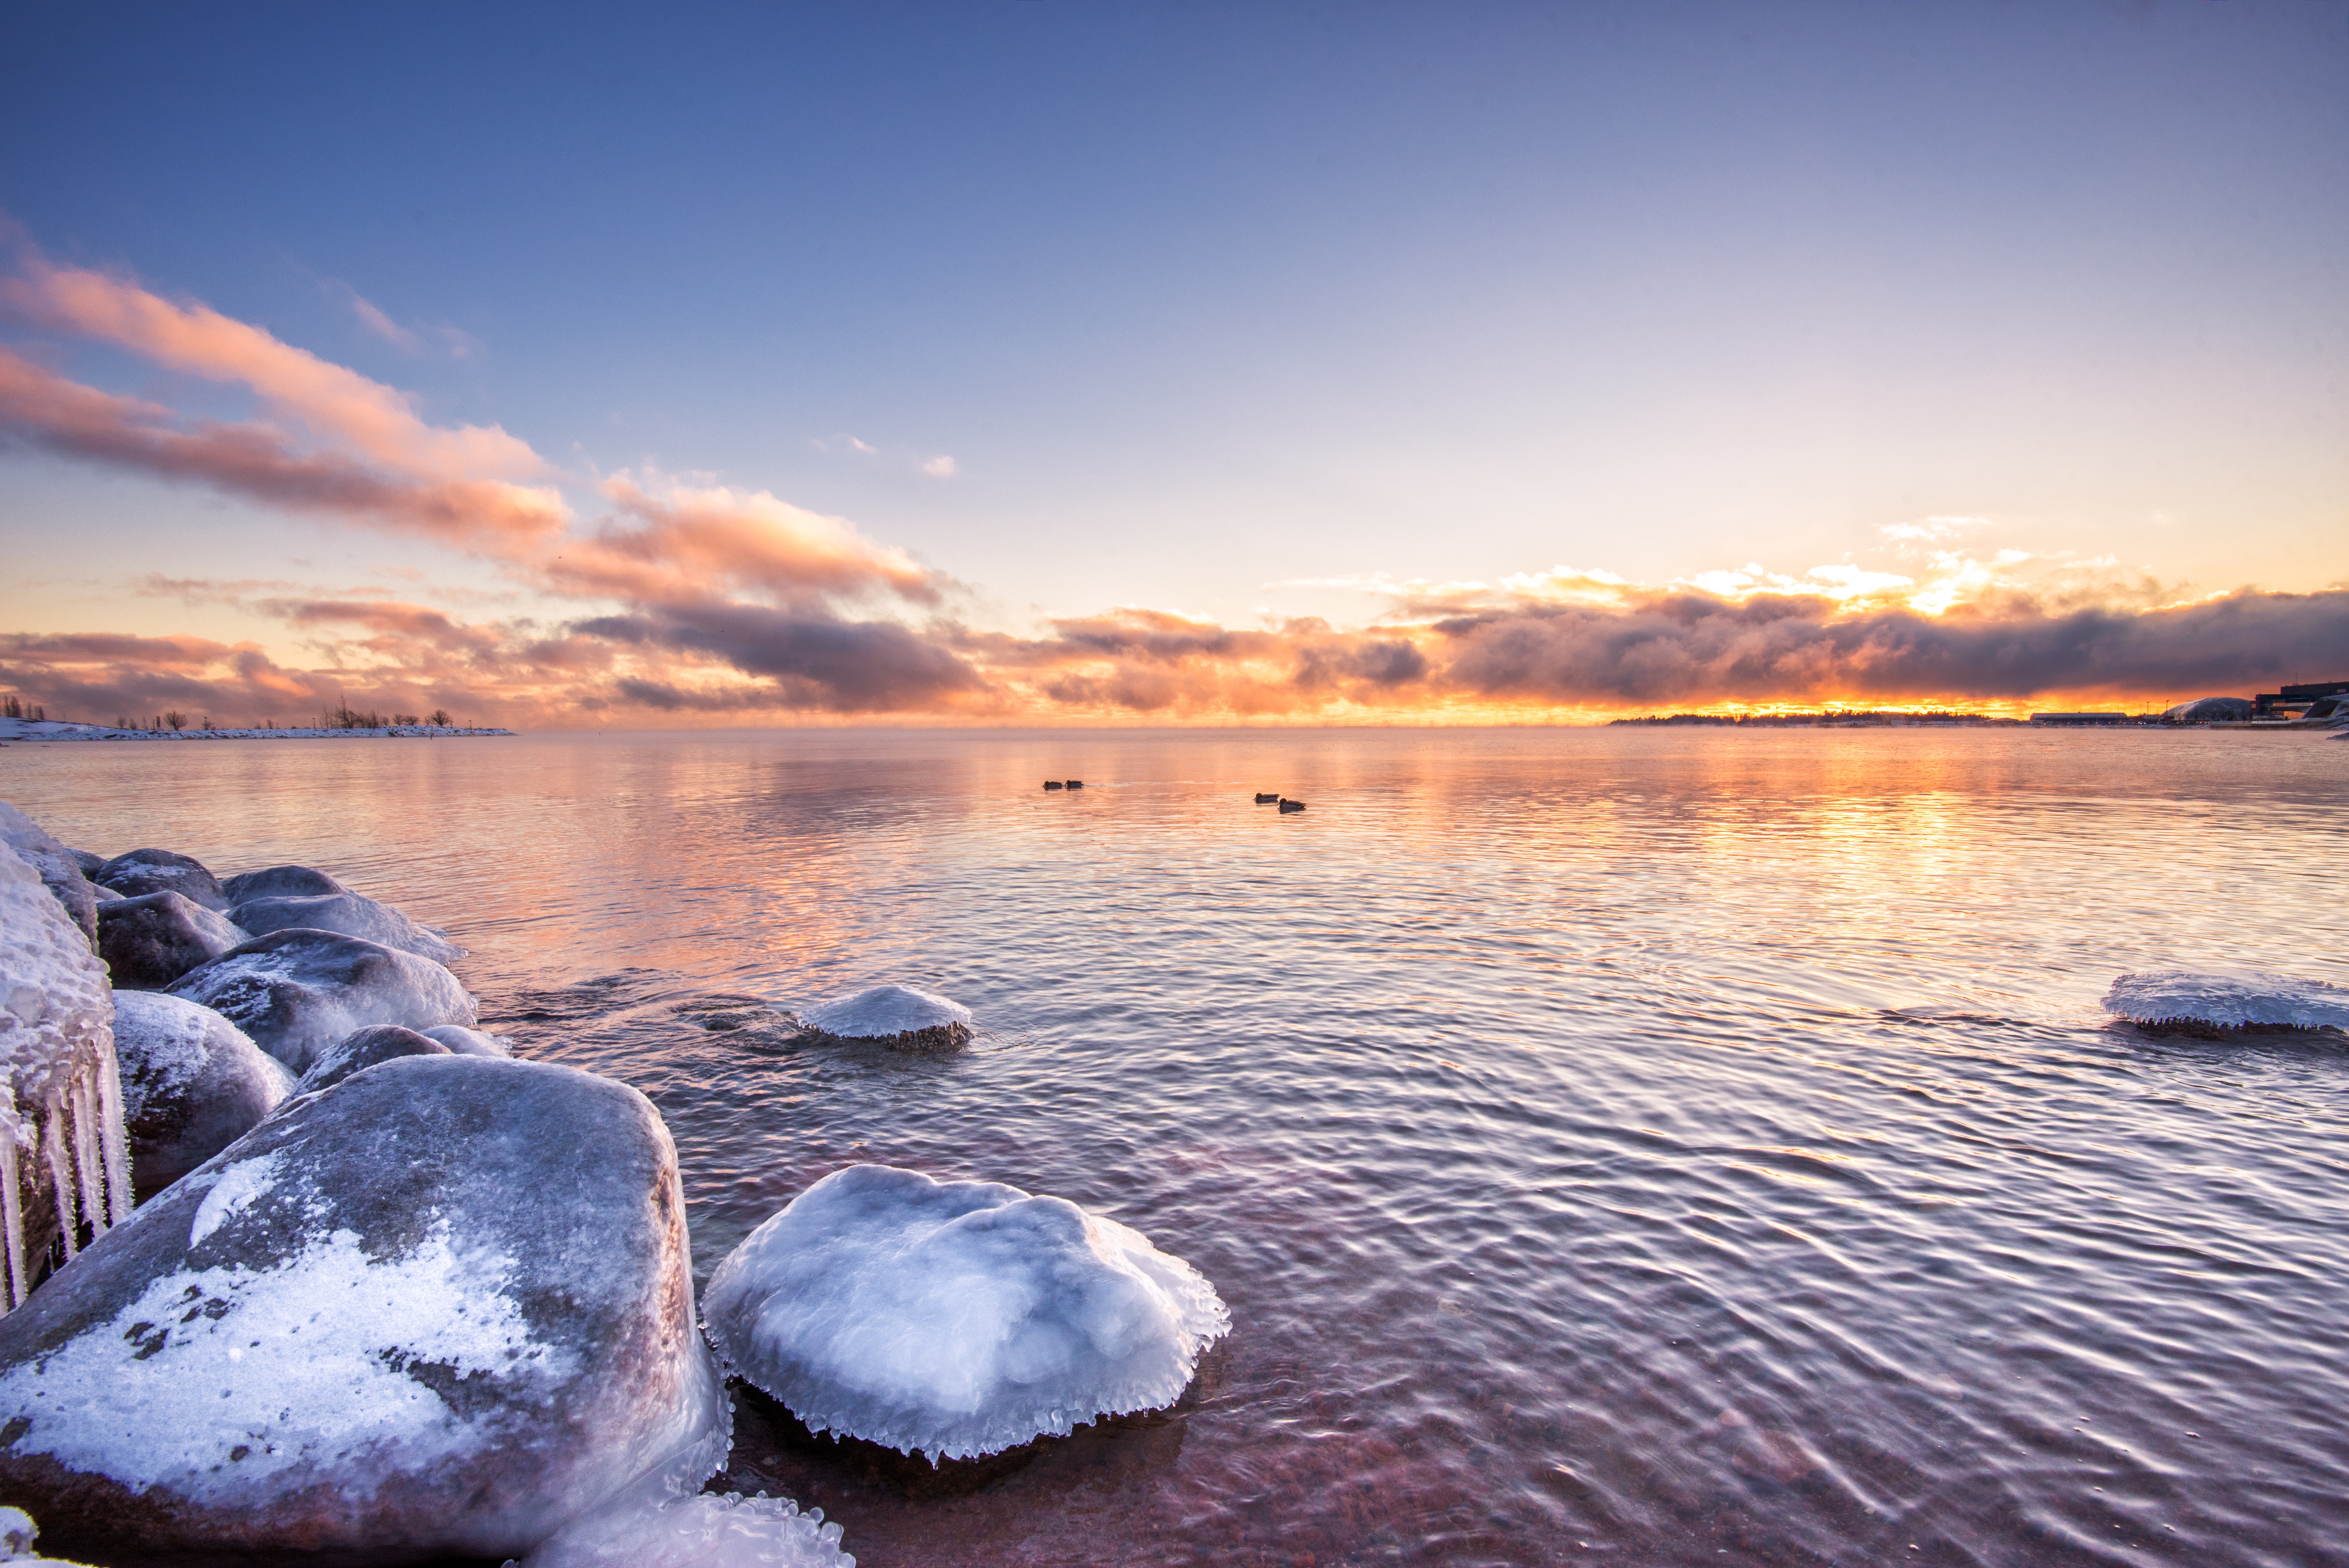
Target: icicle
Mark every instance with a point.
(53, 1145)
(84, 1093)
(113, 1143)
(12, 1198)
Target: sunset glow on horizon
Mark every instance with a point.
(1230, 367)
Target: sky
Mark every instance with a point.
(1025, 361)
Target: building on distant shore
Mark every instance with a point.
(2084, 719)
(2293, 701)
(2209, 711)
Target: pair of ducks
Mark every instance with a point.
(1282, 800)
(1071, 784)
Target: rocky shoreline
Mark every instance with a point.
(390, 1295)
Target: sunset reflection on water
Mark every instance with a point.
(1674, 1148)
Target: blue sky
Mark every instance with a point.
(1213, 306)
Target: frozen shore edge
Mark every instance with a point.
(59, 730)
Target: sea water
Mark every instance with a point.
(1650, 1146)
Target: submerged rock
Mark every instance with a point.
(150, 940)
(466, 1042)
(192, 1084)
(443, 1310)
(280, 882)
(296, 992)
(957, 1318)
(895, 1015)
(2243, 998)
(349, 915)
(60, 869)
(65, 1167)
(362, 1049)
(703, 1532)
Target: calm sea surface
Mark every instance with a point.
(1650, 1148)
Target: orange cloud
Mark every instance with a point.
(680, 546)
(328, 399)
(42, 408)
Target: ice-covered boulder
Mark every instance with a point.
(64, 1163)
(150, 940)
(362, 1049)
(466, 1042)
(18, 1532)
(161, 870)
(443, 1310)
(192, 1084)
(349, 915)
(2238, 999)
(61, 870)
(895, 1015)
(700, 1531)
(957, 1318)
(296, 992)
(280, 882)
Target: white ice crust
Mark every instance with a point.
(348, 915)
(411, 991)
(306, 1362)
(2229, 998)
(701, 1531)
(957, 1318)
(466, 1042)
(175, 1041)
(16, 1534)
(886, 1010)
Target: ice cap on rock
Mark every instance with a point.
(280, 882)
(61, 870)
(154, 870)
(466, 1042)
(2238, 999)
(894, 1015)
(349, 915)
(957, 1318)
(442, 1311)
(362, 1049)
(149, 941)
(702, 1531)
(63, 1157)
(297, 992)
(191, 1084)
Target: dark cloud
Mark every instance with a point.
(1689, 647)
(813, 661)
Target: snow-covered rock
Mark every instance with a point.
(362, 1049)
(895, 1015)
(158, 870)
(18, 1532)
(280, 882)
(91, 864)
(150, 940)
(192, 1084)
(466, 1042)
(349, 915)
(60, 869)
(296, 992)
(2228, 1000)
(443, 1310)
(64, 1163)
(957, 1318)
(700, 1531)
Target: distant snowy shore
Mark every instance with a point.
(58, 730)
